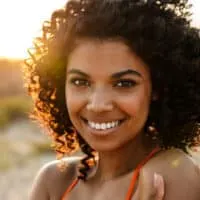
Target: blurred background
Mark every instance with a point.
(24, 147)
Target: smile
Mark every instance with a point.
(103, 126)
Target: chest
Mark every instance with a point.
(117, 189)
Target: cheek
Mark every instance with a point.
(74, 101)
(136, 105)
(73, 105)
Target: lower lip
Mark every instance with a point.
(102, 133)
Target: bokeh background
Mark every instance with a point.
(24, 147)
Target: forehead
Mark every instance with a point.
(105, 56)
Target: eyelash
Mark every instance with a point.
(123, 83)
(80, 82)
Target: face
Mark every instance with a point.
(108, 92)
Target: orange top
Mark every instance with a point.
(133, 180)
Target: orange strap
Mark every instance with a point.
(136, 174)
(70, 188)
(133, 180)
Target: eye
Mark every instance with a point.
(80, 82)
(126, 83)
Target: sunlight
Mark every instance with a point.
(196, 12)
(21, 20)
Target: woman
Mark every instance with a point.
(119, 80)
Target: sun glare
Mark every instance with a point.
(21, 20)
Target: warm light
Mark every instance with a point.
(21, 20)
(196, 12)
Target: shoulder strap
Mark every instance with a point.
(133, 180)
(136, 173)
(73, 184)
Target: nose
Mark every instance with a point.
(99, 101)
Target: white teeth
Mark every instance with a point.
(103, 126)
(97, 126)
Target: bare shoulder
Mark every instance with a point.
(51, 182)
(181, 174)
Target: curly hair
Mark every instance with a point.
(158, 31)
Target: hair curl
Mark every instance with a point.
(158, 31)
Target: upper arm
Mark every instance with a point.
(39, 187)
(51, 182)
(181, 175)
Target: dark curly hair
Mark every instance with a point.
(158, 31)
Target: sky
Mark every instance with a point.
(21, 21)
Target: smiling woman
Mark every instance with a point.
(20, 21)
(119, 81)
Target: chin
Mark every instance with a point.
(101, 145)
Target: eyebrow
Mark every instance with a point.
(126, 72)
(114, 76)
(77, 71)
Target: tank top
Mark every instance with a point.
(133, 180)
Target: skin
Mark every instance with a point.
(103, 96)
(153, 189)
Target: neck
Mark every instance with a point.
(123, 160)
